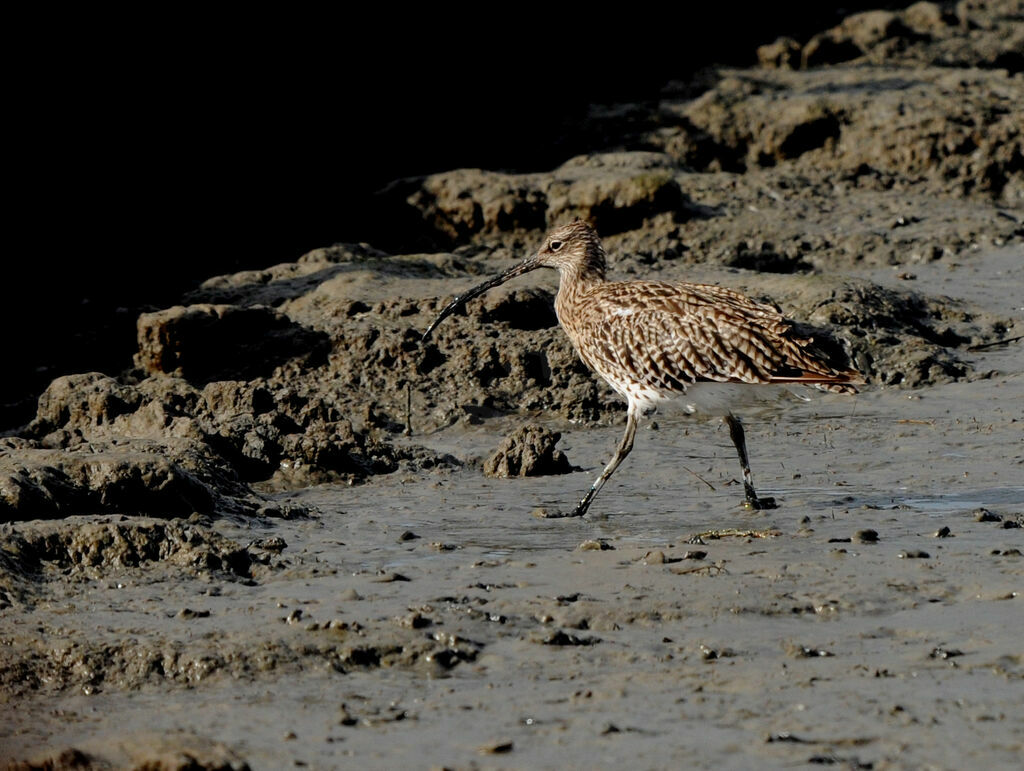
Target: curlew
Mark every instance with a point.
(653, 341)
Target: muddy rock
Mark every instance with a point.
(784, 53)
(528, 452)
(202, 343)
(895, 337)
(961, 130)
(855, 36)
(153, 752)
(194, 450)
(616, 192)
(313, 275)
(985, 34)
(38, 484)
(40, 548)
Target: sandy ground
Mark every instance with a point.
(433, 622)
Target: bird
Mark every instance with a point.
(654, 341)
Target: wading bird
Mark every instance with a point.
(653, 341)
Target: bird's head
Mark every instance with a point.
(574, 248)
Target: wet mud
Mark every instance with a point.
(292, 534)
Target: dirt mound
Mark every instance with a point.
(616, 192)
(163, 446)
(982, 33)
(41, 483)
(203, 343)
(528, 452)
(152, 752)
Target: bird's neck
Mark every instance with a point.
(574, 282)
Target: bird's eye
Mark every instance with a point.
(555, 246)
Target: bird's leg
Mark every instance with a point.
(739, 439)
(620, 455)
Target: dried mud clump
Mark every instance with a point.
(202, 343)
(957, 131)
(143, 752)
(528, 452)
(49, 548)
(985, 33)
(164, 446)
(904, 338)
(41, 483)
(616, 192)
(32, 554)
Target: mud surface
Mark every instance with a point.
(291, 534)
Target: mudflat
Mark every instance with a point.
(291, 534)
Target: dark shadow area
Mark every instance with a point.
(144, 163)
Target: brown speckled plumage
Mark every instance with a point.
(659, 337)
(651, 340)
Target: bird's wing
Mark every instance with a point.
(676, 334)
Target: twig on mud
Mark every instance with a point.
(408, 410)
(702, 479)
(983, 346)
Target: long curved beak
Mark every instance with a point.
(530, 263)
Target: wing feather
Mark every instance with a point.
(663, 336)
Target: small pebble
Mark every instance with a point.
(388, 577)
(807, 652)
(416, 621)
(496, 748)
(594, 545)
(942, 532)
(274, 544)
(984, 515)
(786, 736)
(914, 554)
(866, 536)
(189, 613)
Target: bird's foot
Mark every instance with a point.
(760, 504)
(542, 512)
